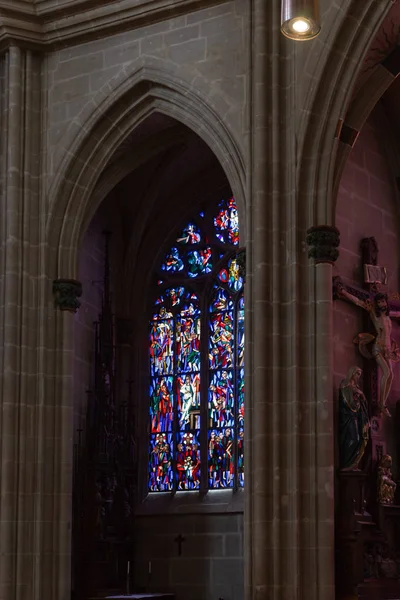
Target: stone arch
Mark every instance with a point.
(132, 100)
(329, 105)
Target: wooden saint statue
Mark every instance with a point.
(386, 485)
(354, 422)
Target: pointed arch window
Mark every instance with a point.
(196, 359)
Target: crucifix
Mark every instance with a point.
(180, 539)
(384, 349)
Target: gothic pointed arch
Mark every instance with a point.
(145, 92)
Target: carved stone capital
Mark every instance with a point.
(66, 293)
(323, 242)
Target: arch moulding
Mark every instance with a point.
(72, 202)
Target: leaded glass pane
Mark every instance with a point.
(199, 262)
(227, 222)
(188, 401)
(188, 460)
(221, 459)
(161, 406)
(181, 410)
(221, 399)
(190, 235)
(161, 476)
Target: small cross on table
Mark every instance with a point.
(179, 540)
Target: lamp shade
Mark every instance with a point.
(300, 19)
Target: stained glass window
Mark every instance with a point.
(196, 358)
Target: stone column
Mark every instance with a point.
(58, 428)
(20, 339)
(289, 473)
(323, 242)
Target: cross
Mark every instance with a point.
(179, 540)
(374, 277)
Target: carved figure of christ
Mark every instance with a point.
(384, 349)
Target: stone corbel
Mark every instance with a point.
(323, 243)
(66, 293)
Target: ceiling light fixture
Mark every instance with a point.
(300, 19)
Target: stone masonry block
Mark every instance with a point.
(151, 43)
(82, 65)
(190, 571)
(179, 36)
(222, 24)
(188, 52)
(203, 546)
(70, 90)
(216, 524)
(233, 544)
(119, 55)
(225, 569)
(209, 13)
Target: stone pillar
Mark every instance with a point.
(20, 337)
(289, 475)
(323, 242)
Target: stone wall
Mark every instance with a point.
(205, 50)
(210, 566)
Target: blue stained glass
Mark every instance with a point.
(221, 300)
(176, 359)
(161, 477)
(221, 340)
(190, 235)
(227, 222)
(161, 406)
(240, 451)
(188, 465)
(221, 458)
(240, 397)
(240, 333)
(199, 262)
(161, 344)
(188, 401)
(175, 295)
(221, 399)
(173, 262)
(188, 326)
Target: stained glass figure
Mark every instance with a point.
(161, 343)
(221, 300)
(161, 476)
(161, 407)
(221, 399)
(199, 262)
(188, 401)
(221, 340)
(188, 460)
(188, 326)
(231, 276)
(173, 262)
(200, 280)
(240, 333)
(221, 458)
(240, 397)
(240, 464)
(190, 235)
(227, 222)
(175, 295)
